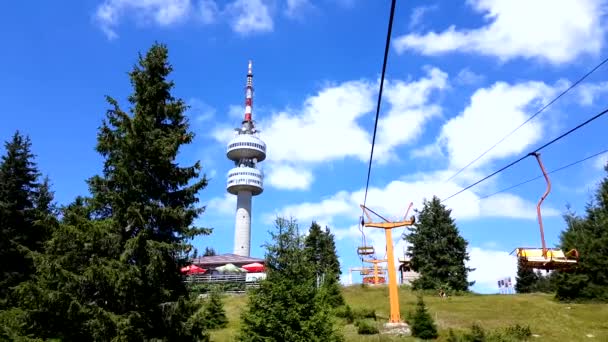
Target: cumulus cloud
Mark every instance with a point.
(296, 8)
(418, 14)
(290, 178)
(250, 16)
(224, 205)
(519, 28)
(161, 12)
(332, 116)
(490, 266)
(491, 114)
(468, 77)
(245, 16)
(393, 199)
(589, 92)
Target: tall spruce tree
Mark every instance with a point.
(526, 279)
(320, 251)
(150, 199)
(589, 235)
(437, 250)
(25, 213)
(287, 306)
(111, 271)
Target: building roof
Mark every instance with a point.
(223, 259)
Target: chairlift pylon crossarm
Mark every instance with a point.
(387, 224)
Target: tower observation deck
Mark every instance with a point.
(245, 180)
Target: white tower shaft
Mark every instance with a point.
(242, 229)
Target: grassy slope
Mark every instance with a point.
(551, 320)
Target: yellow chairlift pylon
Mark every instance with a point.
(545, 258)
(395, 316)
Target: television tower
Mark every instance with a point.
(245, 180)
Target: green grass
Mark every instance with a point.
(551, 320)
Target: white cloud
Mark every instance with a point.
(295, 8)
(600, 162)
(250, 16)
(418, 13)
(392, 200)
(289, 178)
(332, 117)
(493, 113)
(245, 16)
(208, 11)
(519, 28)
(162, 12)
(588, 93)
(468, 77)
(200, 111)
(490, 266)
(223, 205)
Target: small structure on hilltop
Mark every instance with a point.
(406, 274)
(235, 272)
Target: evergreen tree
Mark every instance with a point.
(526, 279)
(111, 270)
(589, 235)
(320, 251)
(25, 213)
(437, 250)
(422, 324)
(214, 310)
(209, 251)
(287, 306)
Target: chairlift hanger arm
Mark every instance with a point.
(387, 224)
(540, 219)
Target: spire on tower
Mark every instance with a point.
(249, 93)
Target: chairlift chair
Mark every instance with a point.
(546, 258)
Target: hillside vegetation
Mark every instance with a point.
(547, 318)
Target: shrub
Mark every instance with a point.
(422, 323)
(364, 313)
(366, 327)
(344, 311)
(479, 334)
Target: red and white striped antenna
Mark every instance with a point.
(249, 93)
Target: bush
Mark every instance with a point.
(366, 327)
(344, 311)
(364, 313)
(479, 334)
(422, 323)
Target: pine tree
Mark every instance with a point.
(209, 251)
(589, 235)
(526, 279)
(422, 324)
(320, 250)
(287, 306)
(437, 250)
(111, 270)
(25, 213)
(214, 310)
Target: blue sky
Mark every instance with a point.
(460, 76)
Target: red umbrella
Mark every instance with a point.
(192, 269)
(254, 267)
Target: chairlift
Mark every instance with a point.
(364, 249)
(546, 258)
